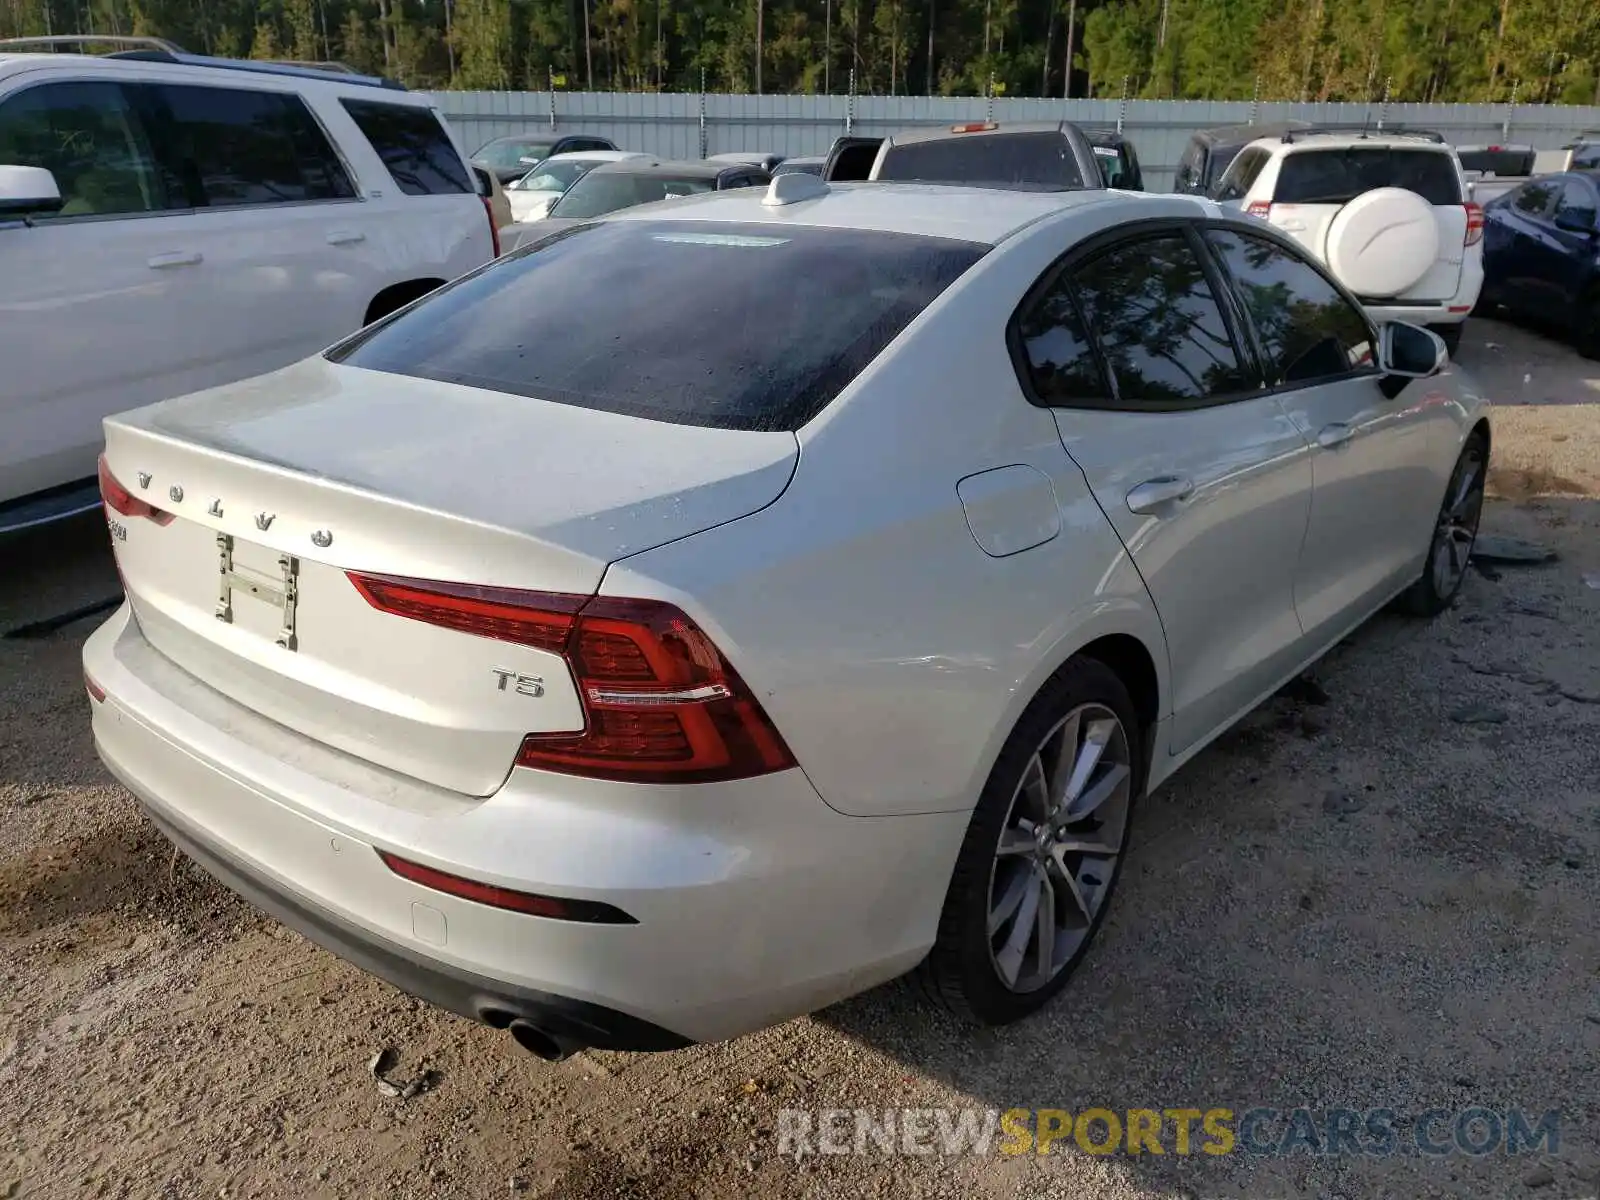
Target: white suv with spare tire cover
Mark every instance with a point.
(1387, 211)
(171, 222)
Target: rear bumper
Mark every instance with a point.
(474, 996)
(1443, 312)
(755, 901)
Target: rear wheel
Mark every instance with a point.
(1034, 877)
(1586, 331)
(1454, 533)
(1450, 335)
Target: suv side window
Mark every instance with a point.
(91, 139)
(1149, 305)
(245, 147)
(1577, 201)
(1533, 199)
(1235, 182)
(413, 145)
(1307, 330)
(1188, 177)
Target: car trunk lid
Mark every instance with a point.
(283, 487)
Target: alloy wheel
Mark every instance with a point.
(1457, 528)
(1058, 848)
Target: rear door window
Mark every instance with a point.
(673, 320)
(1039, 159)
(246, 147)
(1159, 324)
(1339, 175)
(413, 145)
(1577, 204)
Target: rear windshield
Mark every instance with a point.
(1499, 160)
(512, 154)
(1337, 176)
(594, 195)
(1037, 159)
(732, 326)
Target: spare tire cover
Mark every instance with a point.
(1383, 242)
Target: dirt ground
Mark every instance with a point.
(1388, 898)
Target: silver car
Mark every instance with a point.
(622, 649)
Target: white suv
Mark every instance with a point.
(170, 222)
(1387, 211)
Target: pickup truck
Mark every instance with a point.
(1035, 155)
(1493, 171)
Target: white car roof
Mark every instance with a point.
(986, 215)
(306, 82)
(592, 156)
(1311, 140)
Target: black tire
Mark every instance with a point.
(1426, 597)
(1586, 326)
(960, 973)
(1450, 335)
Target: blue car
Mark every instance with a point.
(1541, 254)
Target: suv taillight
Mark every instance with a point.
(1474, 225)
(662, 704)
(1259, 208)
(120, 499)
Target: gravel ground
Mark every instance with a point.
(1384, 894)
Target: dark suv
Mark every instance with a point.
(1211, 150)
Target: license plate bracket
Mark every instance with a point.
(282, 592)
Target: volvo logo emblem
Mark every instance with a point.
(175, 494)
(216, 507)
(322, 538)
(144, 479)
(264, 521)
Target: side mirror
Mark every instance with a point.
(1407, 351)
(28, 191)
(1575, 222)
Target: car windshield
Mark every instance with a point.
(1041, 160)
(799, 166)
(511, 153)
(673, 320)
(1339, 175)
(554, 176)
(601, 192)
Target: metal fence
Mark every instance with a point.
(679, 125)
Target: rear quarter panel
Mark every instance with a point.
(892, 652)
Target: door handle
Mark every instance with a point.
(345, 237)
(1331, 437)
(1293, 226)
(1164, 489)
(174, 258)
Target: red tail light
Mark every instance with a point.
(494, 230)
(1474, 225)
(96, 692)
(120, 499)
(974, 127)
(662, 703)
(593, 911)
(1259, 208)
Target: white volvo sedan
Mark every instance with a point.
(717, 609)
